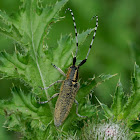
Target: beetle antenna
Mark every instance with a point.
(83, 61)
(74, 58)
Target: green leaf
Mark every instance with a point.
(3, 131)
(7, 28)
(25, 115)
(28, 28)
(136, 126)
(107, 110)
(88, 86)
(132, 108)
(117, 105)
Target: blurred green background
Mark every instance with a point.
(115, 50)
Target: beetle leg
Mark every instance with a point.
(44, 102)
(77, 109)
(58, 81)
(59, 70)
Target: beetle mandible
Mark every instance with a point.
(70, 85)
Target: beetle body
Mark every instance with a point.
(67, 94)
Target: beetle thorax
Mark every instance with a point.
(72, 73)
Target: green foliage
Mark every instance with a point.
(126, 110)
(3, 135)
(28, 28)
(24, 115)
(32, 65)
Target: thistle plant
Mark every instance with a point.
(31, 64)
(125, 110)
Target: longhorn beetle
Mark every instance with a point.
(70, 85)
